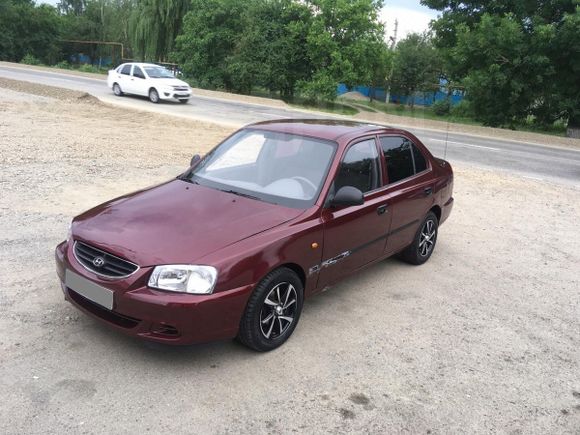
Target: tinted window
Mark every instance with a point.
(126, 70)
(360, 167)
(138, 72)
(397, 151)
(419, 158)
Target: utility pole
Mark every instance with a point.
(393, 40)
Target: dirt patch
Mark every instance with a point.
(47, 91)
(356, 96)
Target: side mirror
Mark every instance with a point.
(195, 159)
(347, 195)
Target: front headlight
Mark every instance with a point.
(184, 278)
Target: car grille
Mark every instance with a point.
(180, 88)
(103, 263)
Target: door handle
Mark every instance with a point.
(428, 191)
(381, 209)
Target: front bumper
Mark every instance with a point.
(173, 318)
(174, 95)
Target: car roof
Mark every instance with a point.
(140, 64)
(329, 129)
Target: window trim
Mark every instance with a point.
(130, 65)
(135, 67)
(326, 202)
(415, 173)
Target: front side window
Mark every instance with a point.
(126, 70)
(359, 168)
(138, 72)
(281, 168)
(397, 152)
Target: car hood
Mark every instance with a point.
(175, 223)
(169, 82)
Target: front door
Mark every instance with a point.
(355, 235)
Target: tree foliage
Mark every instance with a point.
(416, 66)
(283, 45)
(29, 29)
(154, 26)
(515, 58)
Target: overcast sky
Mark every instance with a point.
(411, 15)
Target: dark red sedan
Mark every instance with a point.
(275, 213)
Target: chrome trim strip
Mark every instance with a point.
(104, 252)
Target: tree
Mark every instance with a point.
(154, 26)
(516, 58)
(29, 29)
(342, 40)
(415, 66)
(211, 31)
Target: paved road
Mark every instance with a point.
(531, 160)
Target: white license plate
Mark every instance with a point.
(88, 289)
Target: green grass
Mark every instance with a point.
(421, 112)
(330, 107)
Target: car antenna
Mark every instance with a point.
(446, 139)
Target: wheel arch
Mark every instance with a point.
(436, 211)
(297, 269)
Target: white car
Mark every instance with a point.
(148, 80)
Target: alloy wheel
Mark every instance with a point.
(278, 311)
(427, 237)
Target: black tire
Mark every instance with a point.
(256, 331)
(423, 244)
(153, 95)
(117, 90)
(184, 101)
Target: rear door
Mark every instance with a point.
(355, 235)
(125, 78)
(409, 189)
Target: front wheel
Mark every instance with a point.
(423, 244)
(153, 96)
(273, 311)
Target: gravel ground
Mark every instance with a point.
(482, 338)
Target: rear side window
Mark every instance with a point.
(397, 152)
(403, 158)
(360, 167)
(419, 158)
(126, 70)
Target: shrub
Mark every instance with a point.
(88, 68)
(63, 64)
(441, 107)
(29, 59)
(462, 110)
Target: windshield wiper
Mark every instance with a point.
(186, 179)
(245, 195)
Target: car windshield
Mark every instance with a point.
(158, 72)
(280, 168)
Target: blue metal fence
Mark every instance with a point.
(420, 98)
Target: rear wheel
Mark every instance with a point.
(117, 90)
(423, 245)
(153, 96)
(273, 311)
